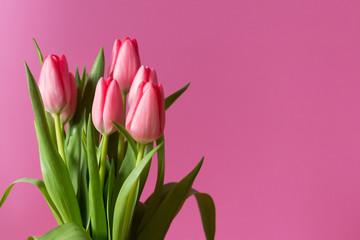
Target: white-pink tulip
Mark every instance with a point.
(69, 112)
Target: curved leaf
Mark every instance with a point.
(207, 210)
(69, 231)
(124, 193)
(38, 52)
(159, 223)
(127, 135)
(41, 186)
(173, 97)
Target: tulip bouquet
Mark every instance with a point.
(95, 156)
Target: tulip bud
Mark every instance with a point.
(146, 117)
(125, 62)
(107, 106)
(69, 112)
(144, 74)
(54, 84)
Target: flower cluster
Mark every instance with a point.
(95, 155)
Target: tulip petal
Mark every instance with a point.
(66, 115)
(114, 54)
(64, 71)
(54, 90)
(113, 107)
(126, 66)
(145, 123)
(161, 102)
(98, 105)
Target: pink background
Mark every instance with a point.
(273, 105)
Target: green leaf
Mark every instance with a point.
(124, 193)
(113, 146)
(96, 202)
(38, 52)
(207, 211)
(172, 98)
(139, 211)
(144, 175)
(156, 200)
(51, 125)
(83, 191)
(69, 231)
(159, 223)
(126, 168)
(128, 137)
(41, 186)
(205, 203)
(90, 82)
(97, 70)
(73, 152)
(55, 174)
(109, 192)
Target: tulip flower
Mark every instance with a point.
(69, 112)
(146, 117)
(144, 74)
(54, 84)
(125, 62)
(107, 106)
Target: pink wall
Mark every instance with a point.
(274, 105)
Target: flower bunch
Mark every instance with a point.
(95, 155)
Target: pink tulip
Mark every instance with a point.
(69, 112)
(144, 74)
(107, 106)
(146, 117)
(54, 84)
(125, 62)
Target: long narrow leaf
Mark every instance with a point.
(96, 202)
(38, 52)
(172, 98)
(159, 223)
(41, 186)
(126, 168)
(122, 198)
(109, 192)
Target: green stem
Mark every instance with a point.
(140, 153)
(129, 205)
(121, 145)
(103, 160)
(59, 136)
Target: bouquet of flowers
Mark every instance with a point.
(95, 156)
